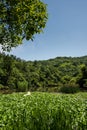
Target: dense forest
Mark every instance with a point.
(47, 75)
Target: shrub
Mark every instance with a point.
(1, 86)
(70, 88)
(22, 86)
(85, 83)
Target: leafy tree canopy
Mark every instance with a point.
(20, 19)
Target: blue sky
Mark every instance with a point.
(65, 33)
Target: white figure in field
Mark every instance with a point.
(28, 94)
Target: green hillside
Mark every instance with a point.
(46, 75)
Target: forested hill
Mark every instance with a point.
(21, 75)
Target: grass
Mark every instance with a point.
(43, 111)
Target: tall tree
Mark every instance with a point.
(20, 19)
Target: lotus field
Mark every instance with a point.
(43, 111)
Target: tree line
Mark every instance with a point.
(20, 75)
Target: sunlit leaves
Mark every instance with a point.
(43, 111)
(20, 19)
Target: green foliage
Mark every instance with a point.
(85, 83)
(82, 81)
(43, 111)
(19, 20)
(47, 75)
(22, 86)
(70, 88)
(1, 86)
